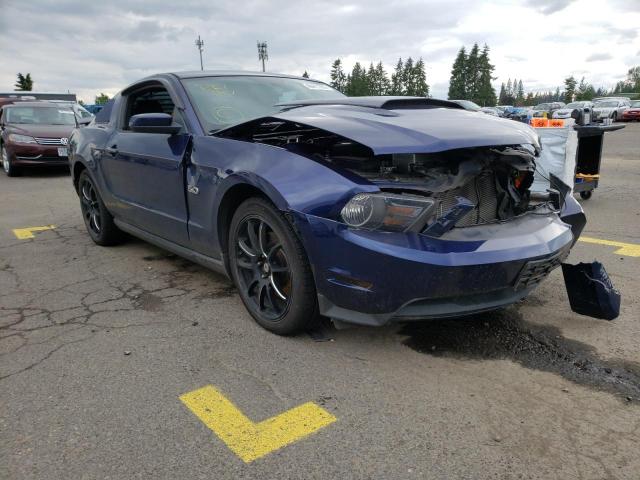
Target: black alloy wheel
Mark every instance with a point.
(97, 219)
(90, 207)
(265, 275)
(270, 269)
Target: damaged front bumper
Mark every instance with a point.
(373, 277)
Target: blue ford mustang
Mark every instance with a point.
(365, 210)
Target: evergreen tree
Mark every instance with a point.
(24, 83)
(382, 84)
(502, 96)
(457, 83)
(338, 78)
(485, 93)
(509, 97)
(569, 88)
(408, 78)
(357, 85)
(520, 94)
(305, 74)
(420, 79)
(397, 81)
(371, 79)
(472, 73)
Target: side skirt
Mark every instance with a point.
(211, 263)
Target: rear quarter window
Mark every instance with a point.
(104, 115)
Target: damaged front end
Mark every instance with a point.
(430, 193)
(444, 228)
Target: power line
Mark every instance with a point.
(200, 44)
(262, 53)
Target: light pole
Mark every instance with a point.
(262, 53)
(200, 44)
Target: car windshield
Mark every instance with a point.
(542, 106)
(41, 115)
(635, 104)
(468, 105)
(224, 101)
(609, 104)
(575, 105)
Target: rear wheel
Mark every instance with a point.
(270, 269)
(97, 219)
(7, 164)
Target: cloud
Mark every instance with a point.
(90, 47)
(598, 57)
(548, 7)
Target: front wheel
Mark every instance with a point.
(97, 219)
(7, 164)
(270, 269)
(614, 117)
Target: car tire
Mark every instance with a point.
(269, 266)
(7, 165)
(614, 117)
(97, 219)
(586, 194)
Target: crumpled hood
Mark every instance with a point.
(412, 130)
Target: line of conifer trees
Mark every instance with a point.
(408, 78)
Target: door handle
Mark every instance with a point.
(113, 150)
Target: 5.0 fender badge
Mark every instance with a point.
(193, 189)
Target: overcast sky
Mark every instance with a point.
(90, 46)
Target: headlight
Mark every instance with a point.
(14, 137)
(387, 211)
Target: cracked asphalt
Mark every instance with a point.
(97, 344)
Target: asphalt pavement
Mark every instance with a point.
(129, 362)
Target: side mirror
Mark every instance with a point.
(153, 123)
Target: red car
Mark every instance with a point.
(34, 134)
(633, 112)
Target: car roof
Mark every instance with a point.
(35, 104)
(232, 73)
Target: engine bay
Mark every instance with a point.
(495, 179)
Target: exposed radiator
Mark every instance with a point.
(482, 192)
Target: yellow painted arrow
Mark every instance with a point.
(245, 438)
(26, 233)
(629, 249)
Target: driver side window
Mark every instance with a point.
(150, 100)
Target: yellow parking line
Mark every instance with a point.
(245, 438)
(26, 233)
(629, 249)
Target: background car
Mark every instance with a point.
(520, 114)
(565, 112)
(546, 108)
(366, 210)
(81, 112)
(35, 134)
(491, 111)
(609, 108)
(503, 109)
(467, 105)
(632, 112)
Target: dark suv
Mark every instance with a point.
(34, 133)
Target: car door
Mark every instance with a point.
(145, 171)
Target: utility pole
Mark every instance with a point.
(200, 44)
(262, 53)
